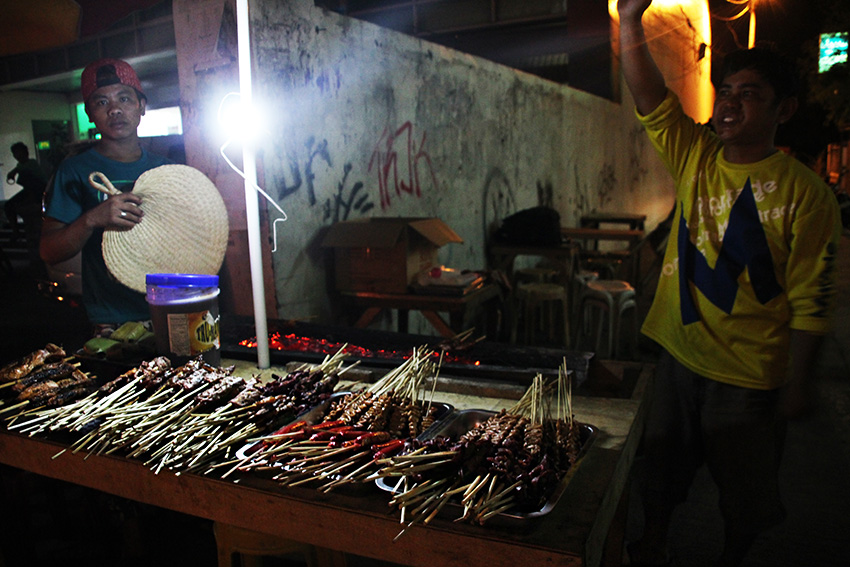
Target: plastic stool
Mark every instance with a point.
(251, 546)
(614, 297)
(535, 275)
(539, 306)
(579, 282)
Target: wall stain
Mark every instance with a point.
(607, 184)
(545, 194)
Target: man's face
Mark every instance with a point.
(746, 111)
(116, 110)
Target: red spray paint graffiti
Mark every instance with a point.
(394, 152)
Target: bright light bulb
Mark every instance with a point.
(240, 121)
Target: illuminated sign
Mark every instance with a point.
(833, 50)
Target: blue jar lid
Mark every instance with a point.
(182, 280)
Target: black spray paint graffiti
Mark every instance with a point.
(321, 151)
(339, 207)
(498, 201)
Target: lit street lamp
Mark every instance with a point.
(751, 41)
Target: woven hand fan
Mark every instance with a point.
(184, 228)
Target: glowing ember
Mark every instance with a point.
(295, 343)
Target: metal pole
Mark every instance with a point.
(252, 211)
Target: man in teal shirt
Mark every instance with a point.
(76, 214)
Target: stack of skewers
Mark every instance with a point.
(184, 418)
(513, 461)
(358, 430)
(201, 419)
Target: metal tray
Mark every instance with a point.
(462, 421)
(317, 414)
(312, 416)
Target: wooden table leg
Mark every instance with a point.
(367, 317)
(615, 543)
(439, 324)
(403, 319)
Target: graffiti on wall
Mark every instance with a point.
(498, 200)
(401, 163)
(342, 202)
(314, 151)
(339, 206)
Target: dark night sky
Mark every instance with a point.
(787, 23)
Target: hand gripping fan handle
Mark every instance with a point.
(105, 187)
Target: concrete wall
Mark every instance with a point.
(364, 122)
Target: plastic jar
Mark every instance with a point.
(184, 311)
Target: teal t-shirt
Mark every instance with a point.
(105, 298)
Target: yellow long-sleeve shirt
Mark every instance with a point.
(751, 256)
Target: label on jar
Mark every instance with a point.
(190, 334)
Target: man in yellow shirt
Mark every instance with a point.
(744, 297)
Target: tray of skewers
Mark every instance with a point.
(504, 467)
(185, 418)
(340, 443)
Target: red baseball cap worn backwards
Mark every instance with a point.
(105, 72)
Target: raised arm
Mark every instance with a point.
(644, 79)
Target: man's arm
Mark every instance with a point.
(644, 79)
(796, 397)
(60, 241)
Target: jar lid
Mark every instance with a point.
(182, 280)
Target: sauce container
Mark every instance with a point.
(184, 311)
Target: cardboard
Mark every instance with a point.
(384, 255)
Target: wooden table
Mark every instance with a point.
(590, 255)
(632, 220)
(503, 256)
(593, 236)
(575, 533)
(461, 308)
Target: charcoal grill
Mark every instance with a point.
(308, 342)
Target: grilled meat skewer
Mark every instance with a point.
(20, 368)
(51, 371)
